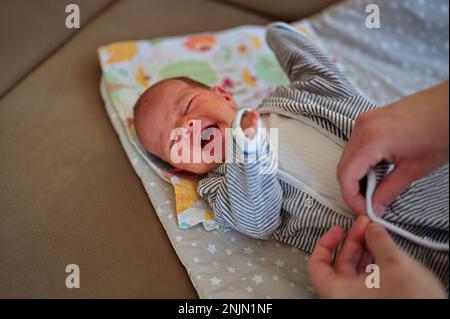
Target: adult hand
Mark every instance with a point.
(400, 275)
(413, 134)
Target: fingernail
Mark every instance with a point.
(372, 228)
(379, 210)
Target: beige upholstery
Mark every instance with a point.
(285, 10)
(67, 191)
(31, 30)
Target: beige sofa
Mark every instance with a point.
(67, 191)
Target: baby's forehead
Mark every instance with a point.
(167, 95)
(158, 103)
(171, 84)
(170, 90)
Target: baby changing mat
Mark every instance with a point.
(385, 64)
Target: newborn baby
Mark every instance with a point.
(181, 103)
(293, 197)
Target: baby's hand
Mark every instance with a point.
(249, 123)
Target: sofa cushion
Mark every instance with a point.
(286, 10)
(37, 33)
(67, 190)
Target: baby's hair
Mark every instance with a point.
(185, 79)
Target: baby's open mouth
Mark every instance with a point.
(207, 135)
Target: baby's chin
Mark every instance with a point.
(196, 168)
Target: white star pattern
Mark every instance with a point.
(262, 259)
(311, 289)
(178, 238)
(279, 263)
(199, 277)
(294, 270)
(275, 278)
(231, 270)
(249, 264)
(216, 263)
(215, 281)
(228, 252)
(196, 259)
(249, 289)
(248, 251)
(258, 279)
(233, 239)
(211, 248)
(194, 244)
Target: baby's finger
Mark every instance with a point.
(250, 132)
(350, 254)
(253, 114)
(250, 119)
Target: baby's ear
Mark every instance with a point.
(220, 91)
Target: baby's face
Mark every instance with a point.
(176, 103)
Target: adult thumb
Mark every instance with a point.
(392, 185)
(380, 244)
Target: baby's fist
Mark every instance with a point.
(249, 123)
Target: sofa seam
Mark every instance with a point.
(55, 50)
(249, 10)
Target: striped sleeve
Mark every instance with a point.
(306, 66)
(318, 91)
(245, 194)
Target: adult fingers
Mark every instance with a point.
(350, 254)
(393, 184)
(321, 272)
(366, 259)
(381, 245)
(355, 162)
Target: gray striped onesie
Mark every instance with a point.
(275, 206)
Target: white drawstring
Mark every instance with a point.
(371, 184)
